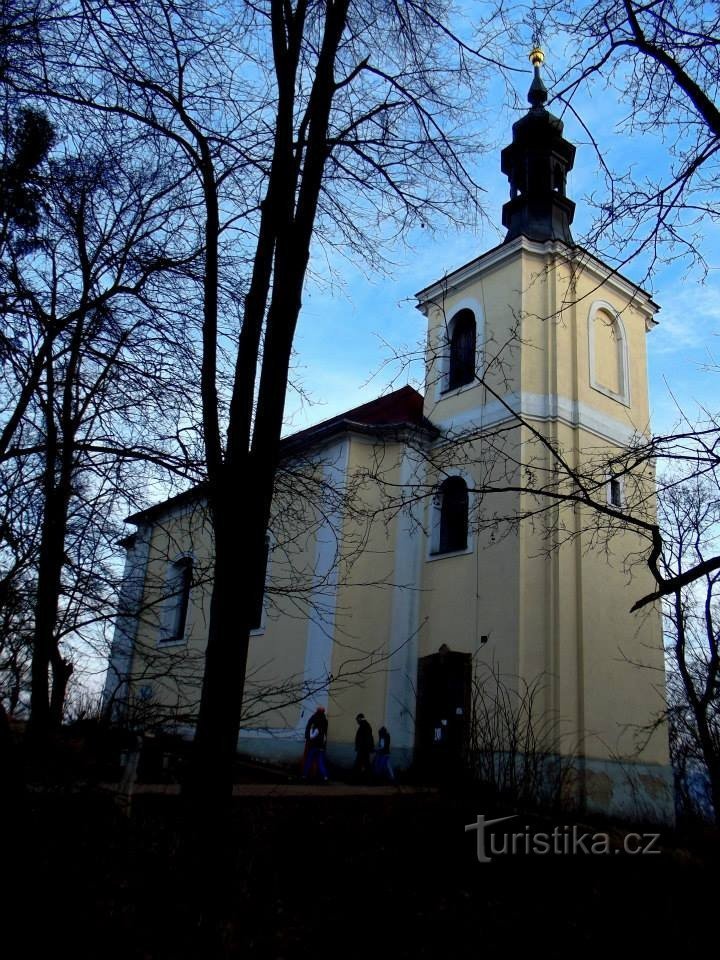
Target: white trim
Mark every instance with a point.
(623, 395)
(321, 634)
(454, 281)
(169, 644)
(432, 557)
(116, 687)
(274, 733)
(534, 406)
(175, 511)
(405, 613)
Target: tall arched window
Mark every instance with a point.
(452, 506)
(608, 352)
(461, 369)
(177, 599)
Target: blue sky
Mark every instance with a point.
(343, 322)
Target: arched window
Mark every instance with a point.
(461, 369)
(608, 352)
(452, 507)
(177, 599)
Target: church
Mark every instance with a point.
(421, 568)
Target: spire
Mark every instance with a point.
(536, 164)
(537, 94)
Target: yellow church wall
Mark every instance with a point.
(623, 668)
(276, 656)
(360, 655)
(474, 594)
(560, 299)
(355, 611)
(534, 315)
(470, 596)
(277, 650)
(603, 664)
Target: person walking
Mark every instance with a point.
(315, 744)
(364, 746)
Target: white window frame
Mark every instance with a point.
(436, 516)
(620, 481)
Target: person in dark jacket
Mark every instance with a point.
(315, 744)
(382, 768)
(364, 746)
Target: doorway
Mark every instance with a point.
(443, 711)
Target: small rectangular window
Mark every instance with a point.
(615, 492)
(178, 584)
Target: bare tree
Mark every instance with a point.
(295, 122)
(689, 513)
(516, 748)
(82, 363)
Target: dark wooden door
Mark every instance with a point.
(443, 708)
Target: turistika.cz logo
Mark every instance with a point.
(567, 840)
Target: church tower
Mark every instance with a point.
(536, 378)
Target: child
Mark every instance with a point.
(383, 770)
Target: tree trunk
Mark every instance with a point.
(61, 673)
(240, 525)
(242, 487)
(45, 717)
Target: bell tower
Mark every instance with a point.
(536, 374)
(537, 163)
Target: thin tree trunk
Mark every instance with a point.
(61, 672)
(46, 715)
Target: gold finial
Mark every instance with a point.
(536, 57)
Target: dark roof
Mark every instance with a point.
(402, 408)
(388, 416)
(404, 405)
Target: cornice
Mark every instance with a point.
(576, 257)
